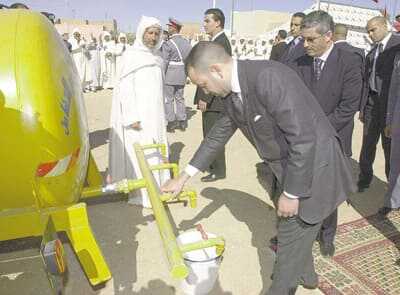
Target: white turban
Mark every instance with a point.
(105, 33)
(145, 23)
(76, 30)
(121, 35)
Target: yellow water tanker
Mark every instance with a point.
(44, 147)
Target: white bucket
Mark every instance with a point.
(203, 265)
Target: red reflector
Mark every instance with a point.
(45, 168)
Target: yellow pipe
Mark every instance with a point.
(124, 186)
(174, 255)
(162, 147)
(174, 167)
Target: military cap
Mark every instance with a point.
(174, 23)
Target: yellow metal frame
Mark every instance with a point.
(173, 251)
(73, 219)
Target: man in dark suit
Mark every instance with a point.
(378, 72)
(340, 37)
(295, 48)
(280, 46)
(279, 115)
(392, 130)
(334, 76)
(211, 105)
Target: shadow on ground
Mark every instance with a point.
(98, 138)
(190, 112)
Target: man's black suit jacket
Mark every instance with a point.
(384, 70)
(278, 50)
(288, 57)
(290, 132)
(346, 46)
(338, 91)
(214, 103)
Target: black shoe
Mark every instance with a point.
(327, 249)
(384, 211)
(171, 127)
(182, 125)
(309, 285)
(362, 186)
(211, 177)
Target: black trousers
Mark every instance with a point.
(294, 262)
(218, 167)
(328, 229)
(374, 125)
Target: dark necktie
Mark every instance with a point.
(292, 46)
(372, 78)
(318, 68)
(237, 106)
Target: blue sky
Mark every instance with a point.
(128, 12)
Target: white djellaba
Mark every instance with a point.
(78, 55)
(138, 97)
(108, 65)
(120, 49)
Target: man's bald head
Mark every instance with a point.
(209, 66)
(340, 32)
(204, 54)
(377, 28)
(380, 20)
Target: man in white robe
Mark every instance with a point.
(94, 65)
(78, 51)
(120, 49)
(137, 114)
(108, 66)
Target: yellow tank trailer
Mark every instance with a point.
(44, 146)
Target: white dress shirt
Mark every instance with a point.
(216, 36)
(324, 57)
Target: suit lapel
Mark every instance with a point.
(308, 72)
(328, 72)
(391, 42)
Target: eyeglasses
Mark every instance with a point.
(313, 39)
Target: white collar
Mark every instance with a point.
(235, 77)
(216, 36)
(340, 41)
(326, 54)
(385, 40)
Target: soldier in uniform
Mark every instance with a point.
(174, 52)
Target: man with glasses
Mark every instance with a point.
(334, 76)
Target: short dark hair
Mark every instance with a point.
(282, 34)
(299, 14)
(217, 14)
(322, 20)
(204, 54)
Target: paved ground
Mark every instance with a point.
(236, 208)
